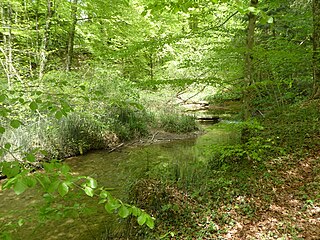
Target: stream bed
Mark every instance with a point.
(118, 170)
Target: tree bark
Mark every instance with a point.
(45, 40)
(70, 46)
(316, 48)
(248, 71)
(7, 43)
(248, 68)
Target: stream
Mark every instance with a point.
(118, 170)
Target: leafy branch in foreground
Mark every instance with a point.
(57, 181)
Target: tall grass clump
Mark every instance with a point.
(127, 121)
(177, 123)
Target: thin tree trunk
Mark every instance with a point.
(248, 72)
(316, 48)
(248, 69)
(7, 43)
(151, 67)
(74, 9)
(45, 41)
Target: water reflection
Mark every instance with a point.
(116, 170)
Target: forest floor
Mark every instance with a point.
(281, 203)
(286, 202)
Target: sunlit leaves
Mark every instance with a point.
(19, 186)
(63, 189)
(124, 211)
(33, 106)
(58, 115)
(142, 219)
(21, 222)
(15, 123)
(30, 181)
(10, 169)
(3, 97)
(92, 183)
(64, 169)
(89, 191)
(54, 186)
(150, 222)
(7, 146)
(30, 157)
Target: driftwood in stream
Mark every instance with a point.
(116, 147)
(209, 118)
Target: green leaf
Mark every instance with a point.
(20, 222)
(102, 201)
(30, 157)
(92, 182)
(135, 211)
(58, 115)
(19, 186)
(2, 130)
(270, 20)
(7, 146)
(44, 181)
(10, 169)
(63, 189)
(65, 169)
(48, 167)
(15, 123)
(104, 194)
(33, 106)
(89, 191)
(3, 97)
(53, 187)
(124, 211)
(30, 181)
(142, 219)
(112, 205)
(150, 222)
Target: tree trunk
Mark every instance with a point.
(316, 48)
(248, 71)
(74, 9)
(45, 40)
(248, 68)
(7, 43)
(151, 65)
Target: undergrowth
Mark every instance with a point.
(210, 198)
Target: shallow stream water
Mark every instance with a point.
(116, 170)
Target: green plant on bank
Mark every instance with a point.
(127, 119)
(177, 123)
(295, 126)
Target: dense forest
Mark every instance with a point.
(84, 75)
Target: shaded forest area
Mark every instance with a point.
(80, 75)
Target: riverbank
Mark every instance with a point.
(267, 188)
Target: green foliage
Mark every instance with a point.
(58, 182)
(127, 120)
(224, 95)
(177, 123)
(294, 127)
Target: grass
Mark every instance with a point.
(175, 122)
